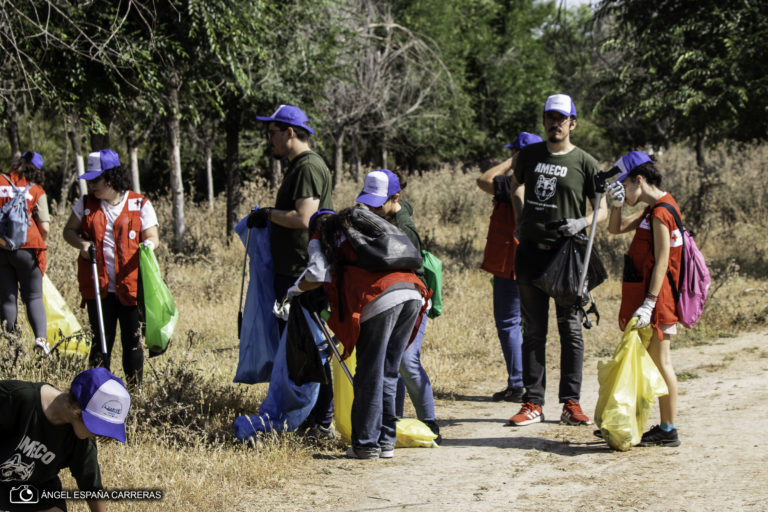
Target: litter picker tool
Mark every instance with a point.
(242, 284)
(94, 268)
(600, 181)
(332, 344)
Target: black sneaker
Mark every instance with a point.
(512, 394)
(658, 437)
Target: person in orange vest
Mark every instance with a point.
(372, 312)
(115, 220)
(499, 260)
(23, 268)
(650, 266)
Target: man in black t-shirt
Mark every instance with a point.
(43, 430)
(559, 183)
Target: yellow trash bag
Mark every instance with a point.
(411, 433)
(63, 331)
(629, 383)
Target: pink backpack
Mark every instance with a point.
(691, 290)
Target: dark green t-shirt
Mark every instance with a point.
(32, 449)
(307, 176)
(404, 221)
(556, 187)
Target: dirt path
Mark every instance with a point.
(722, 463)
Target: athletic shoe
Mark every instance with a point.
(362, 453)
(42, 346)
(529, 413)
(387, 452)
(658, 437)
(573, 415)
(435, 428)
(513, 394)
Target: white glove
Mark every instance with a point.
(148, 243)
(573, 226)
(281, 311)
(615, 194)
(293, 291)
(644, 313)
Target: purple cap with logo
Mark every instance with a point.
(523, 140)
(560, 103)
(104, 402)
(35, 159)
(98, 162)
(629, 161)
(379, 186)
(288, 114)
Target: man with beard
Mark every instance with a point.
(305, 188)
(558, 179)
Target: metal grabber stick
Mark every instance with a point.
(329, 339)
(97, 290)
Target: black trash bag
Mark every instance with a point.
(303, 358)
(561, 279)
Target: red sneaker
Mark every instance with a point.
(573, 415)
(529, 413)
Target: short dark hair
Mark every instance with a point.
(647, 171)
(301, 133)
(117, 178)
(23, 166)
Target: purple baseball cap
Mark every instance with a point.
(379, 186)
(629, 161)
(98, 162)
(104, 402)
(35, 159)
(523, 140)
(288, 114)
(561, 103)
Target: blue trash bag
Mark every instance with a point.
(286, 405)
(259, 335)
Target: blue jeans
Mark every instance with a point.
(414, 378)
(379, 350)
(506, 313)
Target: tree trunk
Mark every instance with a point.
(384, 156)
(338, 156)
(275, 172)
(232, 128)
(101, 140)
(133, 156)
(174, 158)
(12, 128)
(77, 149)
(701, 160)
(356, 159)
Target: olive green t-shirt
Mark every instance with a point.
(32, 449)
(556, 187)
(307, 176)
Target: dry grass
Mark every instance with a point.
(180, 427)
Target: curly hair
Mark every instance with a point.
(117, 178)
(23, 166)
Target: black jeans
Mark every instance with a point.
(534, 305)
(130, 335)
(19, 270)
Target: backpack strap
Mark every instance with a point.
(9, 181)
(675, 287)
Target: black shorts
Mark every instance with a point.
(21, 497)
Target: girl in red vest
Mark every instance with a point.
(653, 261)
(23, 268)
(499, 260)
(372, 312)
(115, 220)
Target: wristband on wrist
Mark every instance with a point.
(651, 296)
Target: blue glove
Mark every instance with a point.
(572, 226)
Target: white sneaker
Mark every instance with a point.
(42, 346)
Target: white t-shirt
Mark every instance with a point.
(148, 220)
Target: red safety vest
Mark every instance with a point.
(501, 244)
(360, 287)
(34, 238)
(127, 233)
(641, 255)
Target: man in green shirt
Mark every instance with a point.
(559, 181)
(43, 430)
(305, 189)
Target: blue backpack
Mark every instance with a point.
(14, 218)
